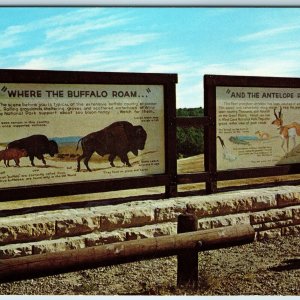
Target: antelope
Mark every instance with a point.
(286, 131)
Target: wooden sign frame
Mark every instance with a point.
(211, 83)
(166, 178)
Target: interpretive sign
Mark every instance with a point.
(66, 132)
(257, 126)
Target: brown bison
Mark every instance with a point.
(36, 146)
(12, 153)
(117, 139)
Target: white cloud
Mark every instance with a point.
(10, 37)
(73, 16)
(61, 27)
(38, 64)
(120, 40)
(12, 30)
(272, 48)
(256, 66)
(89, 51)
(190, 94)
(69, 32)
(95, 39)
(267, 33)
(190, 91)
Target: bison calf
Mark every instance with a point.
(117, 139)
(12, 153)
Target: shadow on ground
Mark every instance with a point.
(287, 265)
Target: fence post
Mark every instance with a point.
(187, 260)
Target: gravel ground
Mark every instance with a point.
(260, 268)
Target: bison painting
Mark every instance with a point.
(36, 146)
(12, 153)
(117, 139)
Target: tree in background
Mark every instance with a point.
(190, 141)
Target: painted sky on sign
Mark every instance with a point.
(188, 41)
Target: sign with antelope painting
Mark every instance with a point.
(257, 126)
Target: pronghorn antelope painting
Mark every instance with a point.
(286, 131)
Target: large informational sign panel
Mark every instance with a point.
(72, 131)
(257, 126)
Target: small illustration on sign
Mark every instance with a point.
(286, 132)
(36, 146)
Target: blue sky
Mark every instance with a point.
(188, 41)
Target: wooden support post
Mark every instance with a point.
(187, 260)
(171, 190)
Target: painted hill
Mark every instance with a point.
(66, 139)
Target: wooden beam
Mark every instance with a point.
(60, 262)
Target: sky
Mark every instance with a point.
(188, 41)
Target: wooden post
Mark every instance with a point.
(187, 260)
(171, 189)
(210, 136)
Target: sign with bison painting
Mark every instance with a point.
(60, 132)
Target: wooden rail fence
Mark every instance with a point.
(186, 245)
